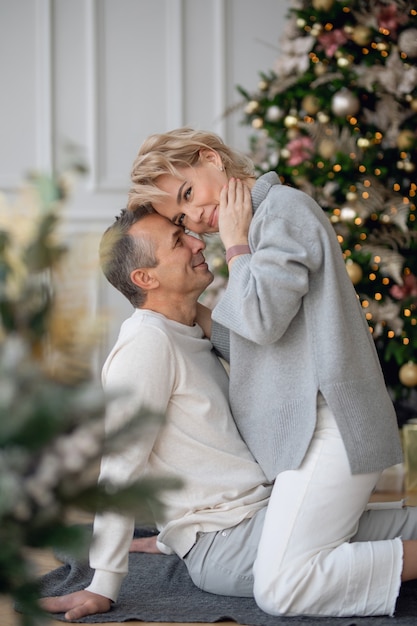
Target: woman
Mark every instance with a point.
(306, 387)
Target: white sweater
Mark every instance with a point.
(172, 370)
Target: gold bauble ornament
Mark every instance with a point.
(361, 35)
(354, 271)
(409, 166)
(405, 139)
(316, 30)
(290, 121)
(310, 104)
(251, 107)
(344, 61)
(408, 374)
(326, 148)
(322, 5)
(351, 196)
(320, 68)
(293, 133)
(322, 117)
(257, 123)
(363, 142)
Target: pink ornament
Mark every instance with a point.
(389, 19)
(408, 288)
(331, 41)
(300, 149)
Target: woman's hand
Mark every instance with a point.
(235, 213)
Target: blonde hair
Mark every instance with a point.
(165, 153)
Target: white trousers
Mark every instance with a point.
(306, 564)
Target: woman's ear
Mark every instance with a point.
(144, 279)
(210, 156)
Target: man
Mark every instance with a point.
(170, 367)
(214, 521)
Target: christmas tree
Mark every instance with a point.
(337, 118)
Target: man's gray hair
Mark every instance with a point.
(121, 253)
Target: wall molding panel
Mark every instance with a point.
(101, 75)
(44, 86)
(175, 62)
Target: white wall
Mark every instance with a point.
(103, 74)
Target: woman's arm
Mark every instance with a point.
(265, 289)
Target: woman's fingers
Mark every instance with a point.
(235, 213)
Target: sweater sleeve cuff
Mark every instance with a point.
(106, 584)
(163, 548)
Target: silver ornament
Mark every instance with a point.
(344, 102)
(274, 113)
(407, 42)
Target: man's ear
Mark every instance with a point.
(210, 156)
(144, 279)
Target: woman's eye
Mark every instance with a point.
(187, 194)
(181, 219)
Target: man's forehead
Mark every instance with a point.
(160, 228)
(153, 222)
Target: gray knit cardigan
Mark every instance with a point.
(296, 328)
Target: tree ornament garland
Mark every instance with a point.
(337, 118)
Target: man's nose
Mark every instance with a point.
(196, 244)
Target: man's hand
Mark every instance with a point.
(145, 544)
(77, 604)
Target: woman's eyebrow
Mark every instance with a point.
(179, 194)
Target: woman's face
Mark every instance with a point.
(193, 199)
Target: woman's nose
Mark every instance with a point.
(195, 213)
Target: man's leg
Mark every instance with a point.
(379, 524)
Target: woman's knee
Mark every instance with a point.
(297, 589)
(277, 595)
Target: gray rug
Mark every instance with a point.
(158, 589)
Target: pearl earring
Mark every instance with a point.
(221, 168)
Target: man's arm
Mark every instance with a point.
(137, 366)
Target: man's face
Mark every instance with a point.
(181, 268)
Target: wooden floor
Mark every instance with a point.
(45, 562)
